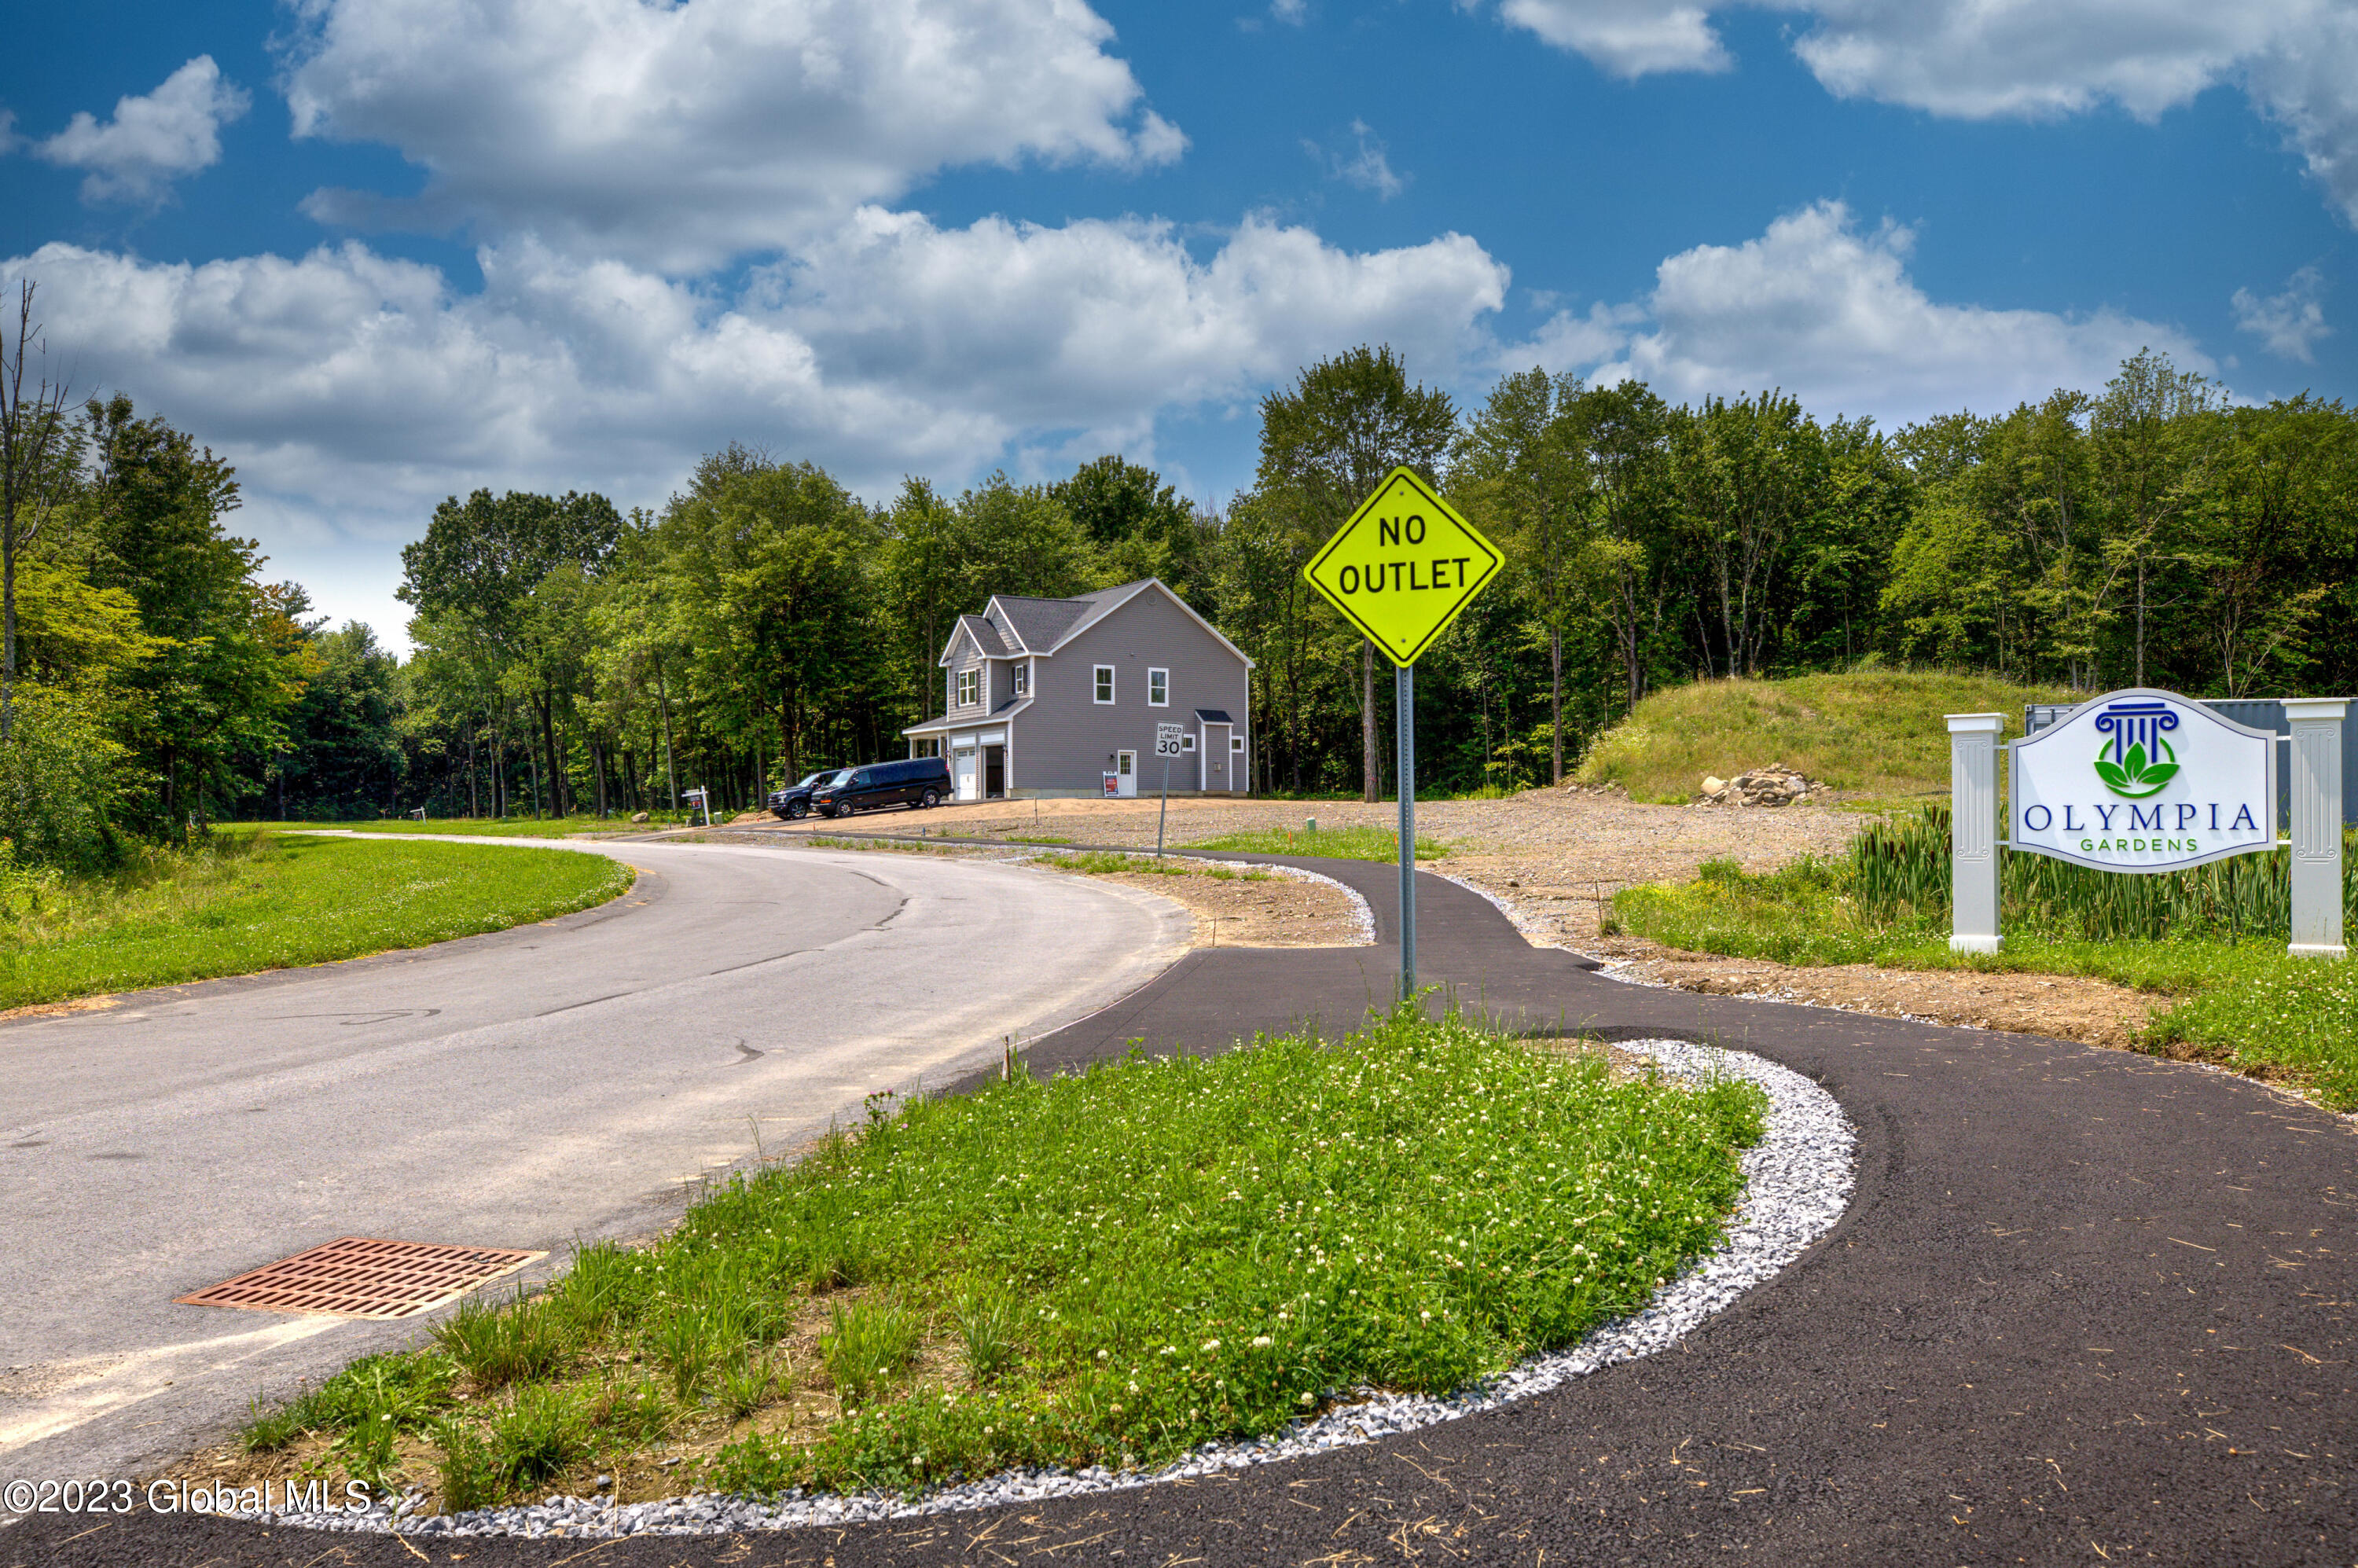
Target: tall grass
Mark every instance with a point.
(1898, 870)
(2211, 938)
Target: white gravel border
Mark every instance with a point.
(1797, 1182)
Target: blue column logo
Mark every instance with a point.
(2137, 762)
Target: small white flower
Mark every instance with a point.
(1263, 1342)
(1211, 1345)
(1425, 1315)
(1309, 1399)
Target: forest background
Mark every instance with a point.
(765, 622)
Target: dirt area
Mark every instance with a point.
(1556, 859)
(1256, 910)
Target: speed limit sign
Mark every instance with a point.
(1169, 740)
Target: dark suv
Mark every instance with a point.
(919, 782)
(794, 801)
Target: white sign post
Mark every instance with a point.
(2317, 825)
(1170, 740)
(2144, 782)
(1972, 832)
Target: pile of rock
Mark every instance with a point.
(1775, 785)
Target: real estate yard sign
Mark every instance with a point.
(1399, 570)
(2144, 782)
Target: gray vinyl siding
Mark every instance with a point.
(964, 657)
(1064, 738)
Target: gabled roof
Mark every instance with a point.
(986, 640)
(1108, 600)
(1038, 623)
(1044, 625)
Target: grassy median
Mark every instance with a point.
(251, 901)
(1109, 1268)
(1334, 843)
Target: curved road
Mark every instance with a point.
(568, 1079)
(2087, 1307)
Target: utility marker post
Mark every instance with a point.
(1399, 570)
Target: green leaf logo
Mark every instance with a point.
(2135, 776)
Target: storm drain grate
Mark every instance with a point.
(358, 1276)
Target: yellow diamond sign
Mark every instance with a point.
(1403, 566)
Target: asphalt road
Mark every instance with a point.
(2085, 1307)
(569, 1079)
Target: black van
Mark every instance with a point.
(917, 783)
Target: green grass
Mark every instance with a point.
(1104, 863)
(1108, 1267)
(500, 827)
(2210, 939)
(255, 900)
(1877, 731)
(1334, 843)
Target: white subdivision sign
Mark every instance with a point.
(2144, 781)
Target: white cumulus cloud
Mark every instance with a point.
(2297, 60)
(152, 140)
(358, 389)
(2289, 323)
(1828, 311)
(1627, 37)
(679, 135)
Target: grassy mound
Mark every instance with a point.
(1875, 731)
(1109, 1268)
(250, 902)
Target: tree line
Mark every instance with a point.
(569, 656)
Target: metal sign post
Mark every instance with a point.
(1169, 740)
(1404, 707)
(1399, 570)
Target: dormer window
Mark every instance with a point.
(1022, 680)
(969, 687)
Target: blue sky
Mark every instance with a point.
(381, 250)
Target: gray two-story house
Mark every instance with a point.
(1063, 697)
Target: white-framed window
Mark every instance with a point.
(1023, 680)
(1103, 674)
(1186, 742)
(1236, 743)
(1157, 689)
(969, 687)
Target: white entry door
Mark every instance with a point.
(1125, 767)
(962, 771)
